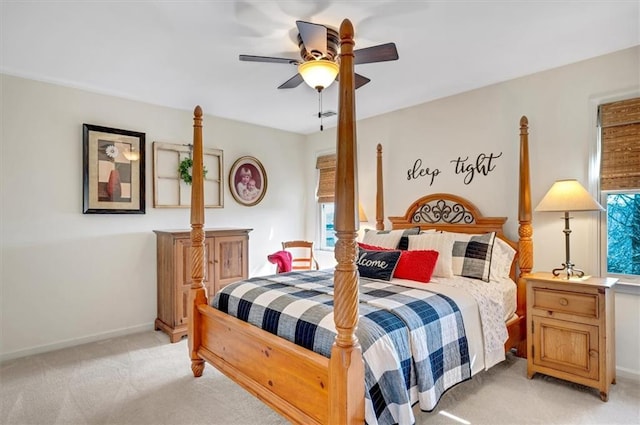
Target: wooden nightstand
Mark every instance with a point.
(570, 330)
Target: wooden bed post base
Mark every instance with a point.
(196, 297)
(346, 386)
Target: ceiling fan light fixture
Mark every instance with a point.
(319, 74)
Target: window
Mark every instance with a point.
(623, 232)
(327, 232)
(326, 166)
(620, 187)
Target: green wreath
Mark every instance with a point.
(185, 170)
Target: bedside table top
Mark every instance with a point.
(607, 282)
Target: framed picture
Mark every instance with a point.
(112, 171)
(247, 181)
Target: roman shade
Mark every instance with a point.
(326, 165)
(620, 145)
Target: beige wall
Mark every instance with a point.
(561, 107)
(69, 278)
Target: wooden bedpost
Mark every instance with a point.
(346, 367)
(197, 294)
(379, 190)
(525, 231)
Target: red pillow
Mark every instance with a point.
(416, 265)
(373, 248)
(413, 265)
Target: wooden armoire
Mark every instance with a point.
(227, 261)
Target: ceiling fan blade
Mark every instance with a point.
(380, 53)
(249, 58)
(314, 37)
(361, 80)
(292, 82)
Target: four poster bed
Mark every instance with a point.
(336, 382)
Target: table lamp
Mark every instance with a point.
(567, 196)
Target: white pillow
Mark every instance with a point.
(502, 258)
(383, 238)
(427, 231)
(441, 242)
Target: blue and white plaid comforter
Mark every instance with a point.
(413, 341)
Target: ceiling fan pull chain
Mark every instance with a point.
(320, 108)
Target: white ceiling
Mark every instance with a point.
(183, 53)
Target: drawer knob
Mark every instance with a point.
(563, 302)
(593, 353)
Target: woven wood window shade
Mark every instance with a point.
(326, 166)
(620, 162)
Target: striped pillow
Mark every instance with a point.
(441, 242)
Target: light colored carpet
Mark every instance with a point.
(143, 379)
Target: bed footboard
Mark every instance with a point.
(291, 380)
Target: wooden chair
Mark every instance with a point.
(302, 255)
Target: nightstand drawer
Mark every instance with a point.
(580, 304)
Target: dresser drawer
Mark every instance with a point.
(580, 304)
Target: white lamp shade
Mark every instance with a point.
(568, 195)
(318, 74)
(362, 216)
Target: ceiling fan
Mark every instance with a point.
(319, 49)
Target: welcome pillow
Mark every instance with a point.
(377, 264)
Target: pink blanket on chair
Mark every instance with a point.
(282, 259)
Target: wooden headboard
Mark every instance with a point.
(447, 212)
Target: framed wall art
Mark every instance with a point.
(247, 181)
(112, 171)
(172, 177)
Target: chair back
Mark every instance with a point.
(302, 255)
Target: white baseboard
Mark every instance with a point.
(623, 372)
(75, 341)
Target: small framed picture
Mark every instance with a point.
(113, 170)
(247, 181)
